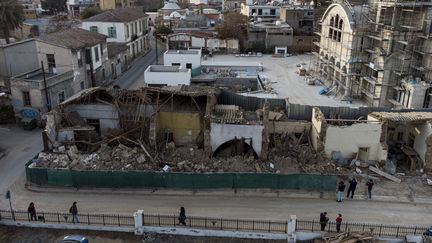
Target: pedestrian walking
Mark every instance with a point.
(338, 222)
(352, 187)
(370, 185)
(32, 212)
(182, 216)
(341, 189)
(323, 220)
(74, 211)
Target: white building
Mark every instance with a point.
(159, 75)
(184, 58)
(122, 25)
(260, 11)
(75, 7)
(197, 2)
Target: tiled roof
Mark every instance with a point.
(402, 116)
(115, 48)
(74, 38)
(118, 15)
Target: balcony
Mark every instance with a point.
(134, 37)
(36, 78)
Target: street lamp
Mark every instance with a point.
(8, 196)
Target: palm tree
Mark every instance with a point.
(11, 17)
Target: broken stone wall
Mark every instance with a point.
(348, 139)
(319, 127)
(184, 126)
(422, 132)
(288, 126)
(221, 133)
(107, 115)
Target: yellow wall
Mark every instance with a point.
(107, 4)
(184, 125)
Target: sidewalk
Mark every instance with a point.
(267, 193)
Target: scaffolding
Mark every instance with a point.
(395, 45)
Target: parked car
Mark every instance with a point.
(428, 232)
(74, 239)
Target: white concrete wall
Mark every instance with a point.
(316, 129)
(247, 10)
(103, 29)
(194, 59)
(122, 35)
(197, 41)
(198, 2)
(167, 78)
(106, 114)
(348, 139)
(96, 63)
(221, 133)
(420, 139)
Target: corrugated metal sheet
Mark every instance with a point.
(248, 103)
(304, 112)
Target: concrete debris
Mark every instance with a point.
(429, 182)
(386, 175)
(275, 116)
(350, 237)
(296, 153)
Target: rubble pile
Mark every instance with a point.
(299, 152)
(182, 159)
(350, 237)
(120, 157)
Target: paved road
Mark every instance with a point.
(252, 207)
(20, 146)
(134, 77)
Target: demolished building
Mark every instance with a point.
(183, 127)
(401, 139)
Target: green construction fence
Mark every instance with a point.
(143, 179)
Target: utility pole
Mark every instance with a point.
(8, 196)
(157, 58)
(48, 104)
(89, 60)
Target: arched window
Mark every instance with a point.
(332, 21)
(336, 21)
(340, 24)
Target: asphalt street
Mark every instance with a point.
(133, 78)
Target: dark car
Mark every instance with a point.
(74, 239)
(428, 232)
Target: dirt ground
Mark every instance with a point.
(39, 235)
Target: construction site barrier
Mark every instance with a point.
(173, 180)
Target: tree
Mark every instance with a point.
(235, 25)
(162, 30)
(61, 22)
(54, 5)
(89, 12)
(11, 17)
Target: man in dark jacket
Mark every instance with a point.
(369, 185)
(352, 187)
(32, 211)
(341, 189)
(323, 220)
(182, 216)
(74, 211)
